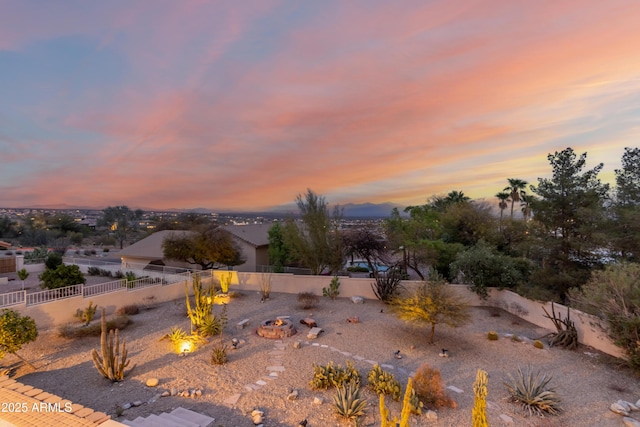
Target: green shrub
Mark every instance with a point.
(612, 295)
(333, 375)
(54, 259)
(62, 276)
(15, 331)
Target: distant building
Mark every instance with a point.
(253, 240)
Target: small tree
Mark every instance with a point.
(22, 275)
(15, 331)
(432, 303)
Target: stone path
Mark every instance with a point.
(277, 367)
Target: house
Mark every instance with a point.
(254, 241)
(252, 238)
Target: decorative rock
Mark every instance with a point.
(431, 415)
(165, 394)
(137, 403)
(616, 408)
(627, 405)
(174, 391)
(126, 406)
(256, 416)
(314, 332)
(357, 300)
(198, 393)
(241, 324)
(293, 395)
(154, 398)
(630, 422)
(152, 382)
(318, 400)
(454, 389)
(309, 322)
(297, 344)
(354, 319)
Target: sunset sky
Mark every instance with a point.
(245, 104)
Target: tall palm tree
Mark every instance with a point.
(503, 197)
(516, 191)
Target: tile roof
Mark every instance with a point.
(27, 406)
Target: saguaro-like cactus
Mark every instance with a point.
(112, 363)
(479, 412)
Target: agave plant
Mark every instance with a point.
(347, 402)
(531, 390)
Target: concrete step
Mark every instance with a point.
(179, 417)
(198, 419)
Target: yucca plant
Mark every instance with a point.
(347, 402)
(219, 354)
(531, 390)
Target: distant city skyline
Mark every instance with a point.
(241, 106)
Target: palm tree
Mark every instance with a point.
(516, 191)
(525, 205)
(504, 199)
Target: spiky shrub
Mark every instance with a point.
(383, 382)
(178, 337)
(333, 375)
(531, 391)
(219, 354)
(347, 402)
(86, 315)
(429, 387)
(110, 362)
(479, 411)
(214, 324)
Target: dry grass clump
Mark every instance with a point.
(129, 310)
(428, 385)
(307, 300)
(93, 330)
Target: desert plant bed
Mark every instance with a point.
(64, 366)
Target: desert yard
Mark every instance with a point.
(262, 372)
